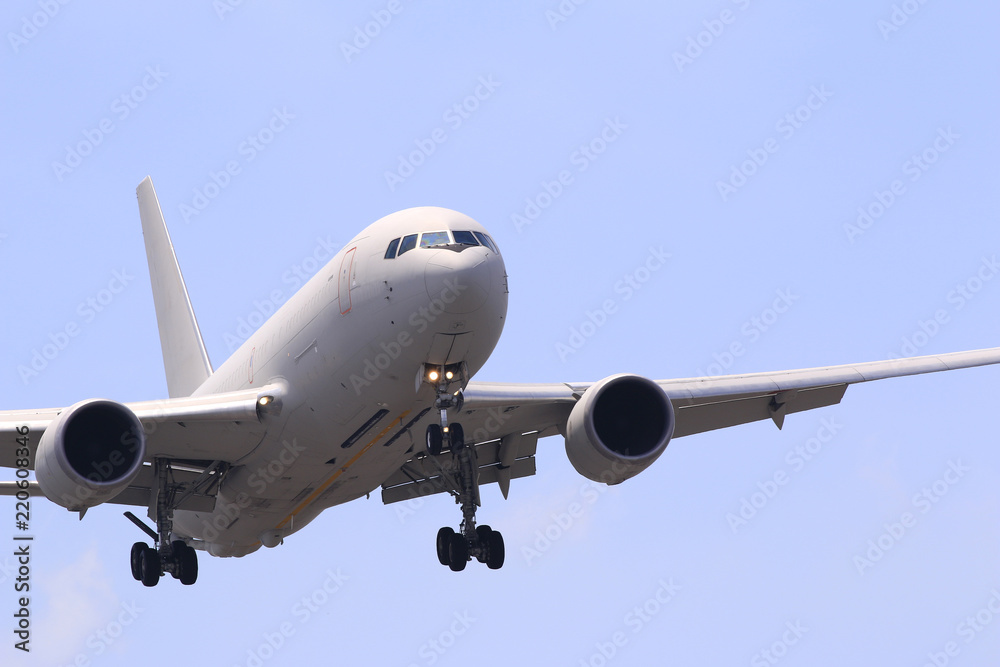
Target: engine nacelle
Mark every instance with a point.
(618, 428)
(89, 454)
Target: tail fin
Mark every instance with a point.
(184, 356)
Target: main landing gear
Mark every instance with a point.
(455, 549)
(173, 556)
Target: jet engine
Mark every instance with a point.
(618, 428)
(89, 454)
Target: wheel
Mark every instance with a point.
(187, 562)
(494, 551)
(136, 560)
(177, 547)
(458, 553)
(483, 533)
(443, 541)
(456, 437)
(434, 439)
(150, 567)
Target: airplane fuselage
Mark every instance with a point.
(352, 349)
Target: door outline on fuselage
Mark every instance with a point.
(344, 288)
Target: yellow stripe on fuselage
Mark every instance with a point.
(325, 485)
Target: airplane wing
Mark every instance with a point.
(197, 434)
(505, 420)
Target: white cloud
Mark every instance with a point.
(75, 602)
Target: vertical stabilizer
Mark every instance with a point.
(184, 356)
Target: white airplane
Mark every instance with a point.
(364, 379)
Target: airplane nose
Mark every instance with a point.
(460, 281)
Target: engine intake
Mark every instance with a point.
(89, 454)
(618, 428)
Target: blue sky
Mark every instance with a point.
(741, 138)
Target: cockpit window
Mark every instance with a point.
(435, 239)
(431, 239)
(390, 252)
(465, 238)
(487, 241)
(408, 243)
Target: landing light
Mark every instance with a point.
(266, 400)
(433, 376)
(449, 375)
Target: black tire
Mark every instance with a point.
(443, 542)
(458, 553)
(483, 533)
(456, 437)
(495, 551)
(150, 568)
(177, 547)
(435, 440)
(187, 562)
(135, 560)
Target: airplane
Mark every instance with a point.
(363, 380)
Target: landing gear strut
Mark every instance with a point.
(456, 549)
(173, 556)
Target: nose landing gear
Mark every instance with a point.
(455, 549)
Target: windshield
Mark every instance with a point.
(438, 239)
